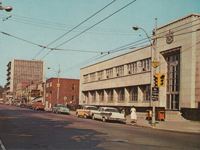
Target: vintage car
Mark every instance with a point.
(38, 105)
(109, 113)
(60, 108)
(86, 111)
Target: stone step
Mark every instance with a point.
(174, 116)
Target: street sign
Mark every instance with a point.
(155, 93)
(155, 64)
(65, 98)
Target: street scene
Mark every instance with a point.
(87, 74)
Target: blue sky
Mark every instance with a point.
(43, 21)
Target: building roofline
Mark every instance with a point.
(177, 20)
(134, 50)
(62, 78)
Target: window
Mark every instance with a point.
(50, 84)
(100, 75)
(92, 77)
(110, 94)
(47, 84)
(85, 78)
(93, 94)
(146, 92)
(132, 68)
(101, 95)
(109, 73)
(73, 97)
(121, 96)
(120, 70)
(133, 93)
(73, 87)
(47, 94)
(146, 64)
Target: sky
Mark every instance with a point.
(77, 32)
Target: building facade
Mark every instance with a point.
(68, 92)
(127, 79)
(24, 71)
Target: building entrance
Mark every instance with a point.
(173, 78)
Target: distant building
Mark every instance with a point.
(24, 71)
(126, 79)
(68, 92)
(18, 89)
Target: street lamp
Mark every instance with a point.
(58, 85)
(153, 102)
(8, 8)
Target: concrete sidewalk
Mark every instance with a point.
(179, 126)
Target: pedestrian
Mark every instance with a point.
(133, 115)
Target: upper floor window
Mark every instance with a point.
(146, 92)
(85, 78)
(121, 95)
(100, 75)
(47, 84)
(93, 94)
(73, 86)
(50, 84)
(73, 97)
(132, 68)
(120, 70)
(133, 93)
(146, 64)
(109, 73)
(92, 77)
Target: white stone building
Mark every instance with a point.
(126, 79)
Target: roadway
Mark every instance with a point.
(22, 128)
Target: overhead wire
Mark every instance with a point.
(74, 28)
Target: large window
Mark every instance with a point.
(146, 92)
(93, 95)
(121, 96)
(133, 93)
(85, 78)
(110, 94)
(101, 95)
(173, 73)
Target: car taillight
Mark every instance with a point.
(110, 114)
(125, 115)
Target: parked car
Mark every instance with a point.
(38, 105)
(22, 105)
(86, 111)
(109, 113)
(7, 103)
(60, 108)
(29, 105)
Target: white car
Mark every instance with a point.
(109, 113)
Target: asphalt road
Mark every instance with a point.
(28, 129)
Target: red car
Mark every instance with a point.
(38, 105)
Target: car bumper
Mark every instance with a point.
(117, 119)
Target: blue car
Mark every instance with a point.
(60, 108)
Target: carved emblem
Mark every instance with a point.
(169, 37)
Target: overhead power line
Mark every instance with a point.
(76, 27)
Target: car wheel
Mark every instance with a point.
(104, 119)
(52, 111)
(57, 112)
(85, 116)
(77, 115)
(93, 117)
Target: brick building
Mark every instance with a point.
(68, 92)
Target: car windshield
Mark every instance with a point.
(91, 108)
(111, 110)
(61, 106)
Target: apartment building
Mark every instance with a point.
(24, 71)
(126, 79)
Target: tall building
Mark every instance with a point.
(126, 79)
(24, 71)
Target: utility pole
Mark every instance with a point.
(155, 57)
(58, 85)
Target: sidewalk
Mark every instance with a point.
(179, 126)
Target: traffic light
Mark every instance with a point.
(161, 79)
(155, 80)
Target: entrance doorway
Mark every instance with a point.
(173, 78)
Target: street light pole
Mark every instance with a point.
(152, 46)
(8, 8)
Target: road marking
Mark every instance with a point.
(2, 146)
